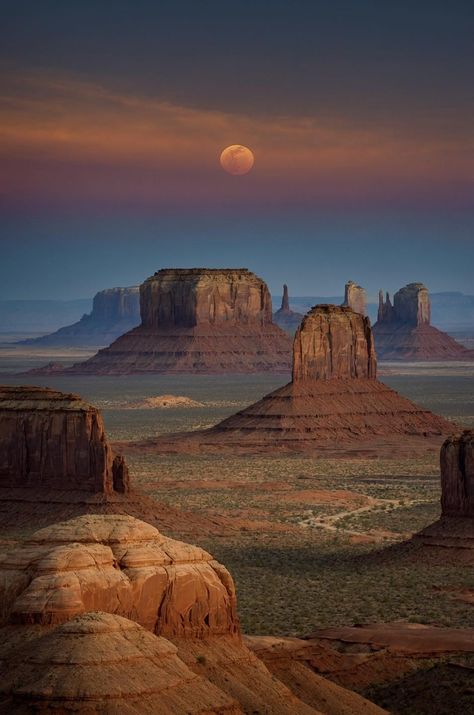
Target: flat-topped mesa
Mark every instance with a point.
(198, 320)
(334, 342)
(54, 440)
(114, 311)
(457, 475)
(411, 305)
(355, 297)
(190, 297)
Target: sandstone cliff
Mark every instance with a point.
(50, 439)
(286, 318)
(403, 331)
(457, 475)
(114, 312)
(355, 297)
(198, 320)
(333, 404)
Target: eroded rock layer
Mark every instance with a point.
(403, 330)
(333, 402)
(202, 321)
(114, 312)
(355, 298)
(50, 439)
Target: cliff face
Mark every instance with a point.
(355, 298)
(198, 321)
(457, 475)
(333, 342)
(114, 312)
(50, 439)
(403, 331)
(200, 296)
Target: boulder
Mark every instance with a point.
(55, 440)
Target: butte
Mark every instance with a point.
(289, 320)
(198, 320)
(334, 403)
(403, 330)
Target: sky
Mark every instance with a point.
(113, 117)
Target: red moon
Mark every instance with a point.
(237, 159)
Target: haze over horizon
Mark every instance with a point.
(359, 116)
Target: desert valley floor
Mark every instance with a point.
(311, 542)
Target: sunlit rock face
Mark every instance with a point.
(334, 342)
(403, 330)
(355, 298)
(198, 320)
(55, 440)
(457, 475)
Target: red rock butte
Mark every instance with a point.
(355, 297)
(334, 402)
(403, 330)
(198, 320)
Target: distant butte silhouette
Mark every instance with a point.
(403, 331)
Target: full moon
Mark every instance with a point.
(237, 159)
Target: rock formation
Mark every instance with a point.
(286, 318)
(53, 440)
(114, 312)
(104, 612)
(453, 533)
(403, 330)
(198, 320)
(334, 402)
(355, 298)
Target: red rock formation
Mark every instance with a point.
(114, 312)
(334, 401)
(287, 319)
(355, 298)
(53, 440)
(403, 331)
(198, 320)
(457, 475)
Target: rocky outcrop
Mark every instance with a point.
(198, 320)
(98, 662)
(355, 298)
(333, 404)
(286, 318)
(120, 565)
(403, 330)
(54, 440)
(457, 475)
(333, 343)
(114, 312)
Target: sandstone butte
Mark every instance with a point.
(403, 330)
(114, 312)
(333, 404)
(101, 612)
(289, 320)
(198, 320)
(355, 297)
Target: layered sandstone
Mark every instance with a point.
(198, 320)
(286, 318)
(114, 312)
(355, 298)
(54, 440)
(334, 402)
(403, 330)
